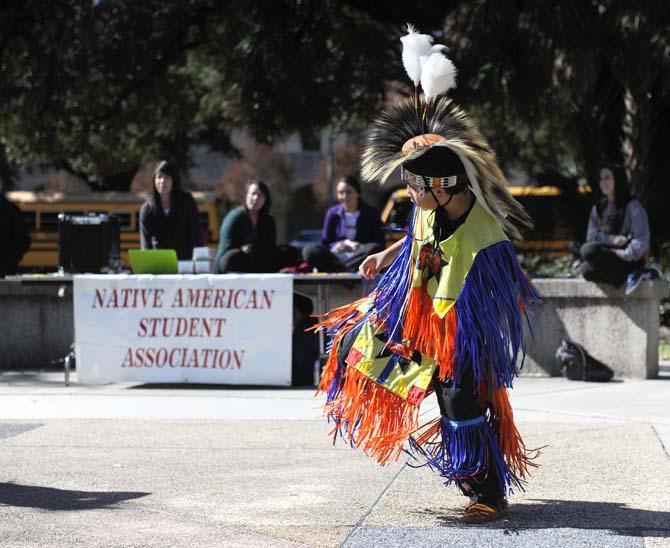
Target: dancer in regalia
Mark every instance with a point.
(447, 315)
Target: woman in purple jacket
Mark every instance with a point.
(352, 230)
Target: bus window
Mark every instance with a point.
(41, 209)
(559, 220)
(30, 219)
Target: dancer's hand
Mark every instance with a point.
(371, 266)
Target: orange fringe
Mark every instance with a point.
(338, 315)
(373, 418)
(518, 458)
(431, 334)
(428, 432)
(335, 317)
(330, 367)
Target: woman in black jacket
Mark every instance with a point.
(170, 218)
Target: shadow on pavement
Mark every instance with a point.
(33, 377)
(48, 498)
(213, 387)
(617, 518)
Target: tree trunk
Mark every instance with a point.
(7, 172)
(639, 128)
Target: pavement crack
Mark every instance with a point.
(660, 439)
(374, 504)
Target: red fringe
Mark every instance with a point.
(517, 457)
(373, 418)
(431, 334)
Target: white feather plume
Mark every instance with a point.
(414, 46)
(438, 73)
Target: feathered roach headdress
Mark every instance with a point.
(436, 141)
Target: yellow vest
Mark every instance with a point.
(479, 231)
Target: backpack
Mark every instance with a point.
(579, 365)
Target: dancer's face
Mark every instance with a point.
(424, 199)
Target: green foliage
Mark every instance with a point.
(98, 88)
(566, 85)
(299, 66)
(549, 265)
(664, 349)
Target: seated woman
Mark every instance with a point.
(170, 218)
(352, 230)
(617, 240)
(248, 238)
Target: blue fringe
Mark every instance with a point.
(490, 320)
(336, 384)
(464, 453)
(392, 289)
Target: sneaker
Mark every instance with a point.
(481, 512)
(653, 273)
(633, 280)
(636, 278)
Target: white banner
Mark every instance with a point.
(229, 329)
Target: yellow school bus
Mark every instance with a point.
(41, 209)
(559, 220)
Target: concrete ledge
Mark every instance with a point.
(36, 322)
(619, 330)
(580, 288)
(37, 316)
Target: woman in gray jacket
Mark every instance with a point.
(617, 240)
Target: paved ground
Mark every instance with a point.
(138, 466)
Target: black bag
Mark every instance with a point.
(579, 365)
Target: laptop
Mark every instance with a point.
(153, 261)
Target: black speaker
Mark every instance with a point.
(89, 243)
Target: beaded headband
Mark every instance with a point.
(428, 182)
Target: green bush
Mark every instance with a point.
(549, 265)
